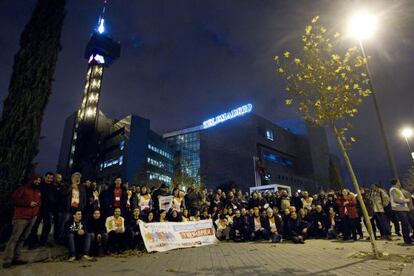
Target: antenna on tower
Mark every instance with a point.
(101, 21)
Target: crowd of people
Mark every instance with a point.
(94, 220)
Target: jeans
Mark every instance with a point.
(47, 217)
(383, 225)
(392, 217)
(222, 234)
(275, 237)
(98, 246)
(63, 218)
(21, 231)
(81, 242)
(405, 224)
(116, 242)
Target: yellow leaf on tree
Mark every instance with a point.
(280, 70)
(337, 34)
(297, 61)
(315, 19)
(288, 101)
(353, 140)
(286, 54)
(276, 58)
(308, 29)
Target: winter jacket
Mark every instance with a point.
(66, 194)
(22, 198)
(278, 222)
(349, 210)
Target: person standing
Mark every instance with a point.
(27, 200)
(399, 205)
(46, 212)
(73, 199)
(379, 200)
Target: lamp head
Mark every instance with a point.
(407, 132)
(363, 25)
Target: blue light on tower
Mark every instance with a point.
(101, 27)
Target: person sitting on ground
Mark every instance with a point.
(272, 224)
(205, 215)
(134, 234)
(257, 231)
(196, 216)
(163, 216)
(223, 229)
(115, 226)
(319, 223)
(239, 228)
(185, 216)
(150, 217)
(97, 230)
(79, 240)
(27, 200)
(297, 229)
(174, 216)
(285, 219)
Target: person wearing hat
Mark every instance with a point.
(27, 200)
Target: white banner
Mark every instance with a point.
(164, 236)
(165, 202)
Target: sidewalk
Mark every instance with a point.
(316, 257)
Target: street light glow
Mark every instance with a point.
(407, 132)
(363, 25)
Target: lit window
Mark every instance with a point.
(122, 145)
(269, 135)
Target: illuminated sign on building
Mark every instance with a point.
(228, 116)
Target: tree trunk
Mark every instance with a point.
(359, 196)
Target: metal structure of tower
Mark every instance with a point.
(100, 52)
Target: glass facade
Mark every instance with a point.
(277, 158)
(187, 146)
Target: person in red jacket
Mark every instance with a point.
(347, 207)
(27, 200)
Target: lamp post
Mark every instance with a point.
(408, 133)
(363, 26)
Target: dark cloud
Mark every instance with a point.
(183, 61)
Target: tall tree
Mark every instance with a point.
(328, 84)
(29, 90)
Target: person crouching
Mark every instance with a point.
(78, 238)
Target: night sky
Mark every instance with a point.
(183, 61)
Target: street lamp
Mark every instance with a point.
(363, 25)
(407, 133)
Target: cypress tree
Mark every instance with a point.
(29, 90)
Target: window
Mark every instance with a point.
(122, 145)
(269, 135)
(161, 152)
(278, 159)
(161, 177)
